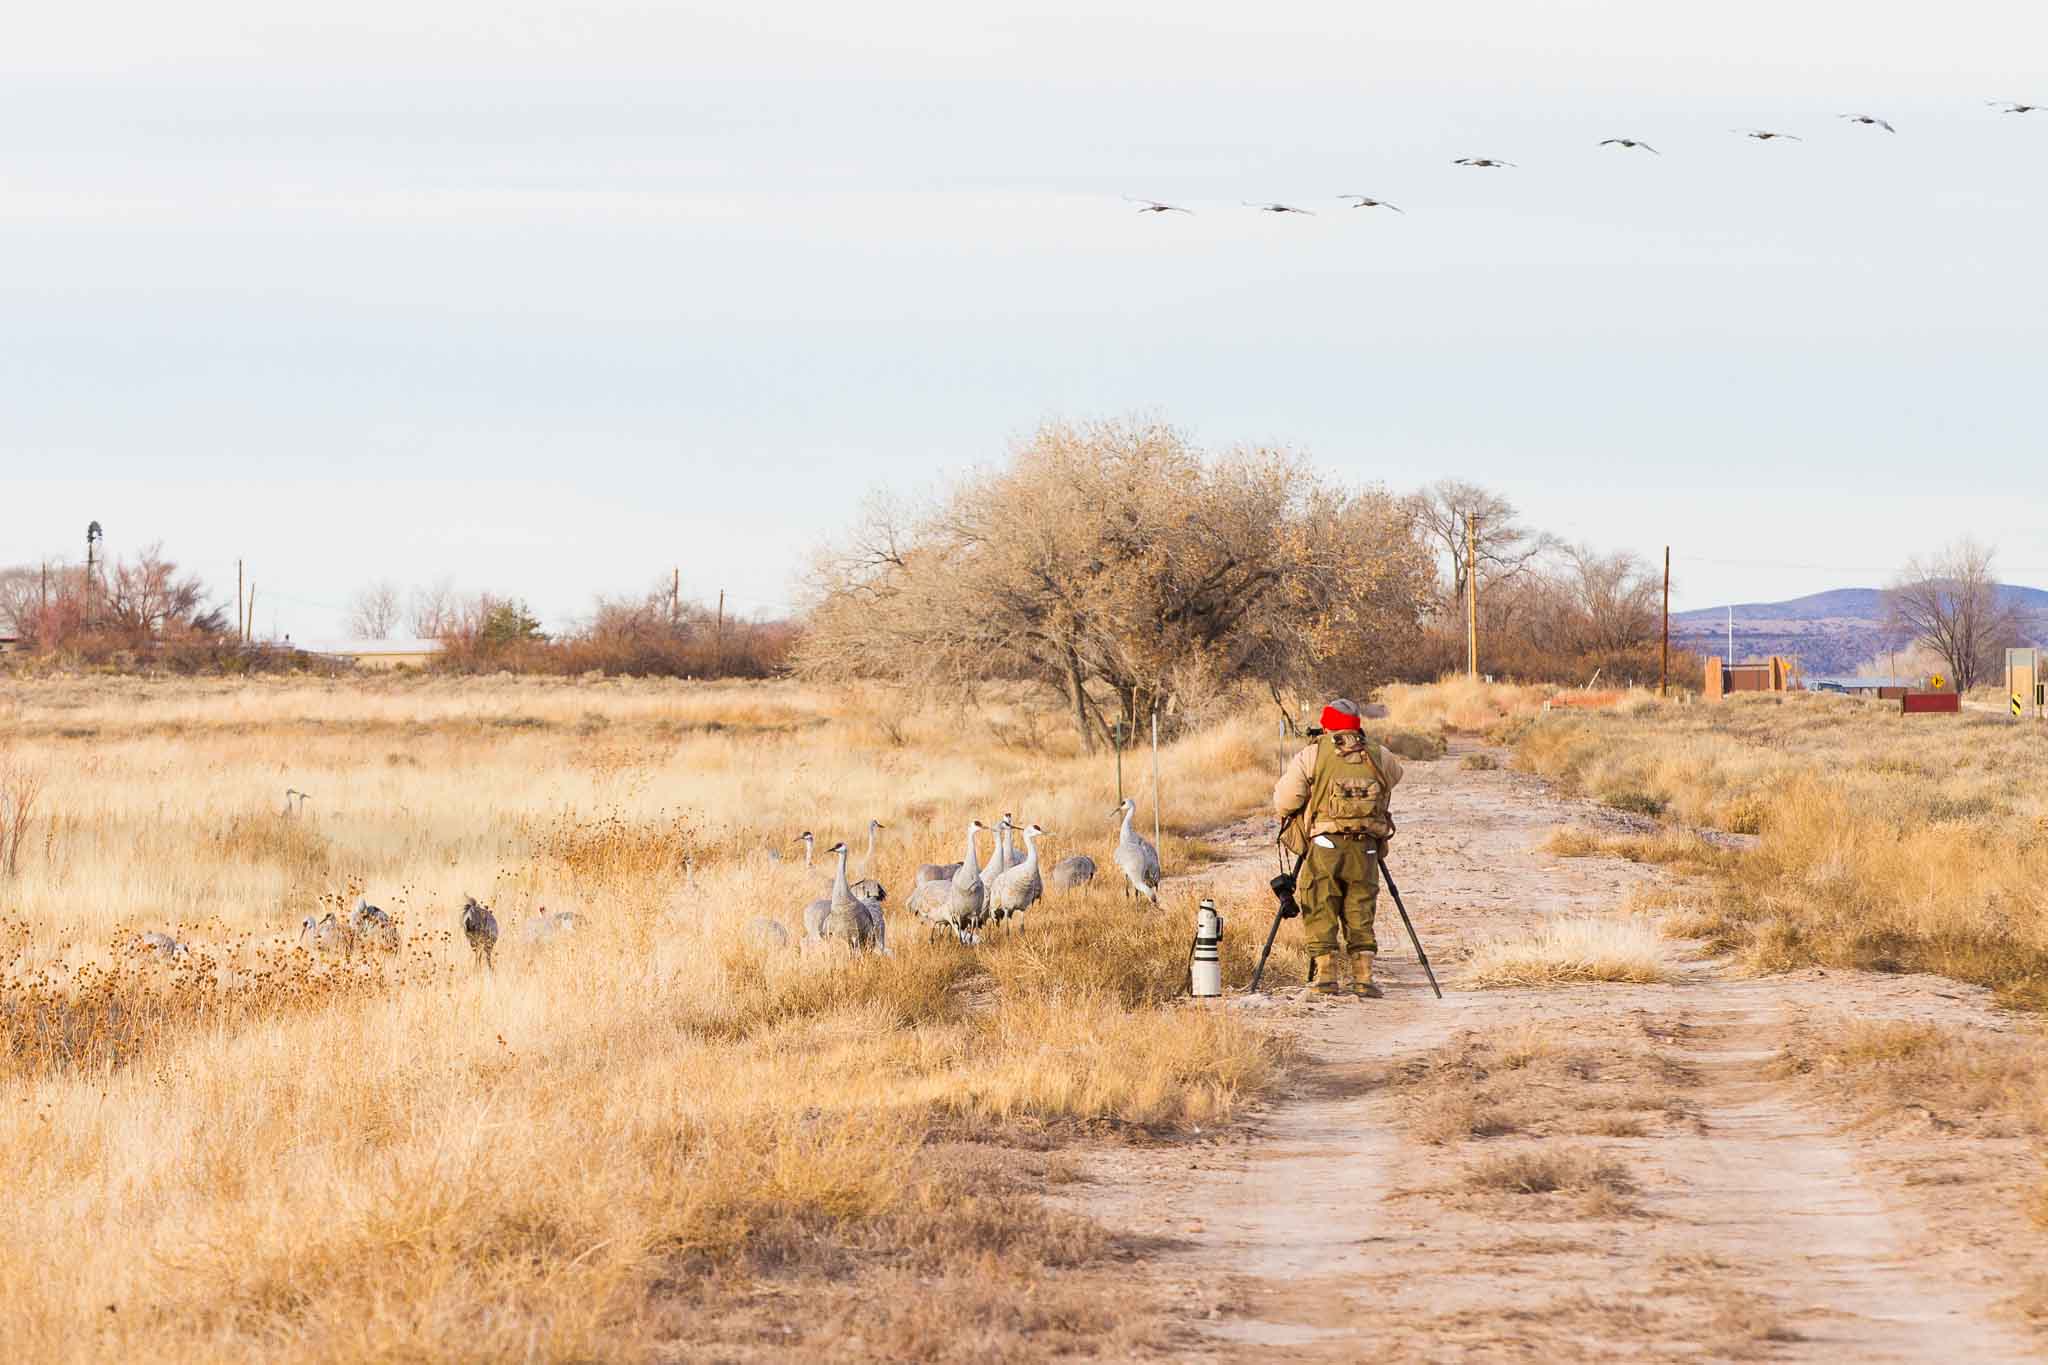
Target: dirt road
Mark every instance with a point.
(1729, 1215)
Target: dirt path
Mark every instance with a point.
(1741, 1222)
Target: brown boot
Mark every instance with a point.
(1325, 968)
(1361, 978)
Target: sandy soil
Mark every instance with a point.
(1751, 1224)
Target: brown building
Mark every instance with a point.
(1776, 674)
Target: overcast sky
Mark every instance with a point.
(548, 299)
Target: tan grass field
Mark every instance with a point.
(644, 1139)
(1890, 842)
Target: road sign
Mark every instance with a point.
(2015, 704)
(1935, 682)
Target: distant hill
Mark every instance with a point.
(1828, 632)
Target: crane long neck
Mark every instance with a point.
(1030, 849)
(867, 866)
(972, 859)
(1130, 814)
(840, 890)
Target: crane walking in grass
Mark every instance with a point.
(867, 888)
(1072, 873)
(1018, 889)
(480, 927)
(851, 919)
(1136, 857)
(326, 934)
(955, 903)
(164, 946)
(372, 926)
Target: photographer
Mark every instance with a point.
(1332, 800)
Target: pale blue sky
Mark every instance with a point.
(549, 302)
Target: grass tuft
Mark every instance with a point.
(1571, 950)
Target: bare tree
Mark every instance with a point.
(373, 613)
(1611, 601)
(1504, 548)
(434, 611)
(147, 598)
(1950, 601)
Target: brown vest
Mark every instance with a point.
(1348, 795)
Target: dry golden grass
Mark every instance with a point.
(1546, 1080)
(1548, 1170)
(649, 1133)
(1890, 843)
(1571, 949)
(1976, 1083)
(1460, 704)
(1681, 850)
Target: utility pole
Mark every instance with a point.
(1155, 777)
(249, 621)
(1731, 637)
(93, 535)
(721, 630)
(1472, 596)
(1664, 659)
(241, 628)
(675, 589)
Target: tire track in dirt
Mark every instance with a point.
(1755, 1232)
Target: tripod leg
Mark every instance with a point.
(1409, 925)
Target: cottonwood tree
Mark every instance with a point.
(147, 598)
(1114, 564)
(1950, 602)
(374, 612)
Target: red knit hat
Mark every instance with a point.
(1340, 715)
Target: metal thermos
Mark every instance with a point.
(1205, 973)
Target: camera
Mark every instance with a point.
(1283, 891)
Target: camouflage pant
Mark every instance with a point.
(1339, 888)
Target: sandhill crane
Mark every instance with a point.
(1484, 162)
(809, 841)
(999, 856)
(956, 903)
(1630, 143)
(480, 927)
(1366, 201)
(2015, 107)
(548, 924)
(1068, 874)
(1018, 889)
(867, 888)
(814, 917)
(1766, 135)
(1278, 208)
(164, 946)
(1154, 206)
(326, 934)
(936, 872)
(1870, 120)
(766, 933)
(292, 795)
(1136, 857)
(852, 919)
(373, 926)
